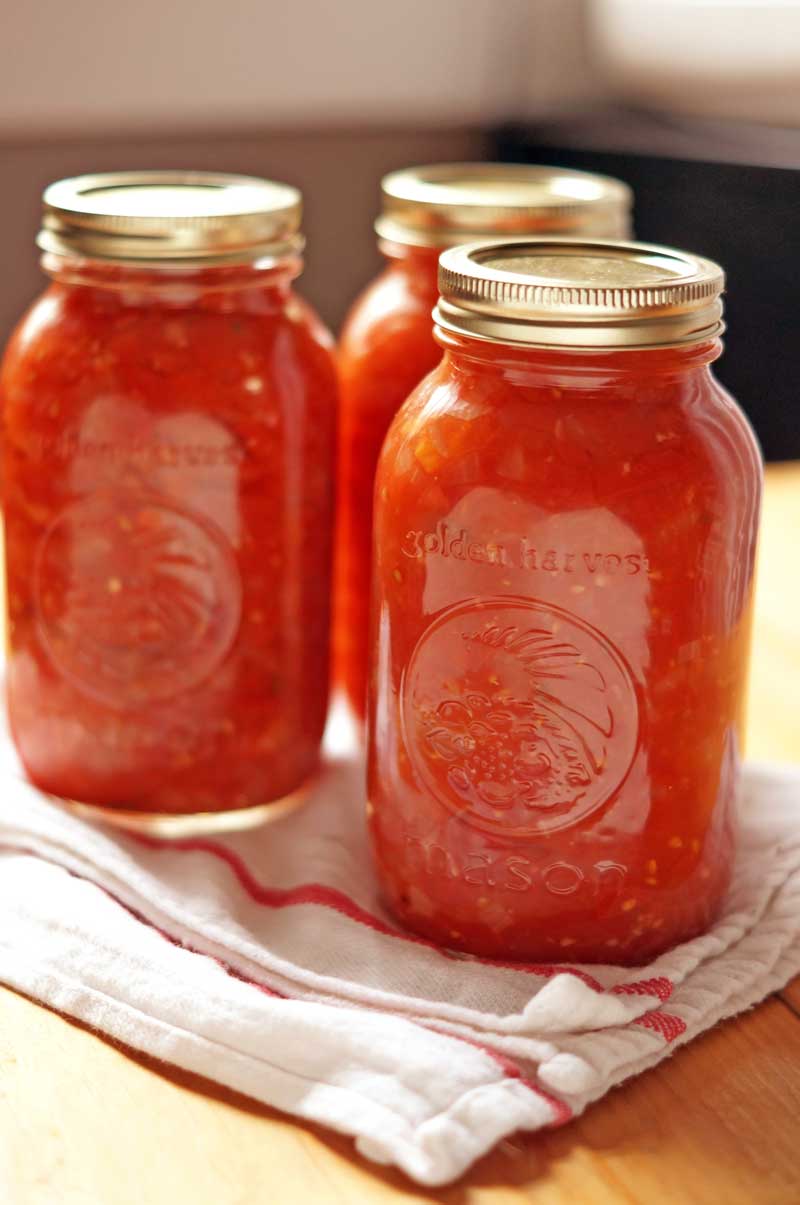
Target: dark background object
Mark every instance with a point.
(745, 215)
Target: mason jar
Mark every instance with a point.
(565, 532)
(168, 410)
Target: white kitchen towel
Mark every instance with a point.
(263, 960)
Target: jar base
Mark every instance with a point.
(633, 954)
(189, 824)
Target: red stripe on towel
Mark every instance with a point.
(563, 1113)
(659, 986)
(667, 1024)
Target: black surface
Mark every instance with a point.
(747, 217)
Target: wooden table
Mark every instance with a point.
(83, 1122)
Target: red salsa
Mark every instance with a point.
(168, 439)
(564, 544)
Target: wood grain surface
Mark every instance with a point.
(83, 1122)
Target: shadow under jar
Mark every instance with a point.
(168, 409)
(387, 344)
(565, 532)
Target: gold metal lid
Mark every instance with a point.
(451, 203)
(185, 218)
(581, 294)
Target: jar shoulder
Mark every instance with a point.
(393, 305)
(69, 336)
(36, 327)
(415, 415)
(565, 448)
(604, 418)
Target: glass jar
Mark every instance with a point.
(168, 409)
(565, 532)
(387, 343)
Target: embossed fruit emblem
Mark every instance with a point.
(137, 599)
(518, 716)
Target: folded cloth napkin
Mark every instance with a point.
(263, 960)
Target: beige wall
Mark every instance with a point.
(104, 65)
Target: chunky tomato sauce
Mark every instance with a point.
(385, 350)
(167, 484)
(562, 599)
